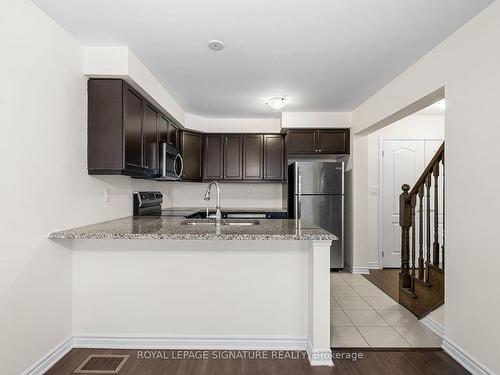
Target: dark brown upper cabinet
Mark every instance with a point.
(132, 123)
(191, 147)
(253, 157)
(122, 130)
(213, 157)
(244, 157)
(274, 157)
(233, 147)
(318, 141)
(301, 141)
(167, 131)
(173, 134)
(150, 139)
(333, 141)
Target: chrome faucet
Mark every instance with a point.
(218, 214)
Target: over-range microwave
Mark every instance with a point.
(171, 163)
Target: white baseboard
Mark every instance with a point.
(468, 362)
(360, 270)
(50, 359)
(319, 357)
(190, 342)
(434, 326)
(374, 266)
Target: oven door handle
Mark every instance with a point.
(182, 165)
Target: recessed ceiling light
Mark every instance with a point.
(277, 102)
(215, 45)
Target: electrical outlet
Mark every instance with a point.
(107, 197)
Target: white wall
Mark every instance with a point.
(316, 119)
(424, 127)
(233, 125)
(121, 62)
(466, 64)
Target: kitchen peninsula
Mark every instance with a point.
(188, 283)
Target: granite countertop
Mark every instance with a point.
(167, 228)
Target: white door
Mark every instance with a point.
(402, 162)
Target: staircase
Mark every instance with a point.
(421, 280)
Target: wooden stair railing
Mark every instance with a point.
(421, 280)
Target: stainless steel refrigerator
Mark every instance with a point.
(316, 195)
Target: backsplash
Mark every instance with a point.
(190, 194)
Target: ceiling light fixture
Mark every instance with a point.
(215, 45)
(277, 102)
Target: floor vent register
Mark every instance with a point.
(102, 364)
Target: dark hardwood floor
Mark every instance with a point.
(387, 280)
(384, 362)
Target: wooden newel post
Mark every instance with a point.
(405, 220)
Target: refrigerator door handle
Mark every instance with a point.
(299, 209)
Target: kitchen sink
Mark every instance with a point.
(230, 222)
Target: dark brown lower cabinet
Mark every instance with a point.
(274, 157)
(253, 157)
(191, 147)
(233, 167)
(213, 157)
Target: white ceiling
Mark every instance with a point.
(325, 55)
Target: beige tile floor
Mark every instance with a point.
(362, 315)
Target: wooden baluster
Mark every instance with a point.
(405, 223)
(435, 245)
(444, 194)
(413, 204)
(428, 226)
(421, 233)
